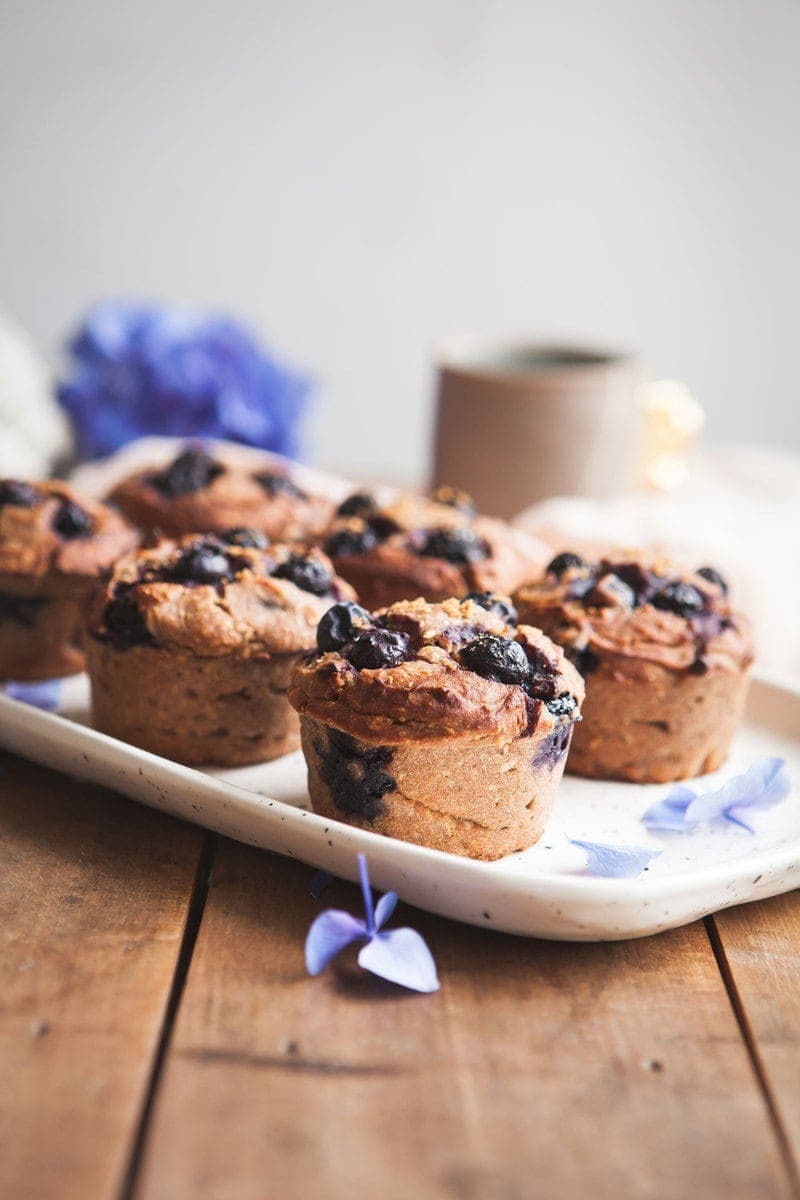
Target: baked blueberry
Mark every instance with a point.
(204, 562)
(355, 774)
(378, 648)
(562, 705)
(249, 539)
(189, 472)
(580, 587)
(348, 542)
(382, 527)
(72, 521)
(275, 484)
(22, 609)
(495, 604)
(610, 590)
(563, 562)
(714, 576)
(680, 598)
(541, 687)
(341, 624)
(306, 573)
(124, 623)
(496, 658)
(357, 505)
(460, 546)
(583, 659)
(642, 583)
(17, 493)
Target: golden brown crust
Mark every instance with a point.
(232, 499)
(398, 568)
(432, 696)
(35, 557)
(253, 615)
(719, 637)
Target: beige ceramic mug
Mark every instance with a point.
(518, 422)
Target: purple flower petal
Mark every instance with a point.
(330, 933)
(44, 694)
(384, 909)
(670, 813)
(399, 955)
(615, 862)
(764, 785)
(402, 957)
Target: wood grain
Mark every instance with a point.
(761, 948)
(93, 897)
(540, 1070)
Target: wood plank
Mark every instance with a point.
(761, 946)
(540, 1070)
(93, 897)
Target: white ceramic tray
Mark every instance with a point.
(541, 892)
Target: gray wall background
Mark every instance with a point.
(359, 178)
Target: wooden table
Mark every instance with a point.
(160, 1038)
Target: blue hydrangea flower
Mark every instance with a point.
(137, 369)
(399, 955)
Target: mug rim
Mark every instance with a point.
(477, 357)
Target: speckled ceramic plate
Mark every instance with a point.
(541, 892)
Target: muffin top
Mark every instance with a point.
(48, 533)
(437, 542)
(637, 605)
(214, 596)
(199, 491)
(430, 671)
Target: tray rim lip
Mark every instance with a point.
(555, 886)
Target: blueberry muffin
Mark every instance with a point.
(53, 545)
(665, 658)
(441, 724)
(191, 644)
(198, 491)
(434, 547)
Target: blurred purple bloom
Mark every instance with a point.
(399, 955)
(615, 862)
(45, 694)
(764, 785)
(138, 369)
(319, 882)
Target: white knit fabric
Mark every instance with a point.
(33, 430)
